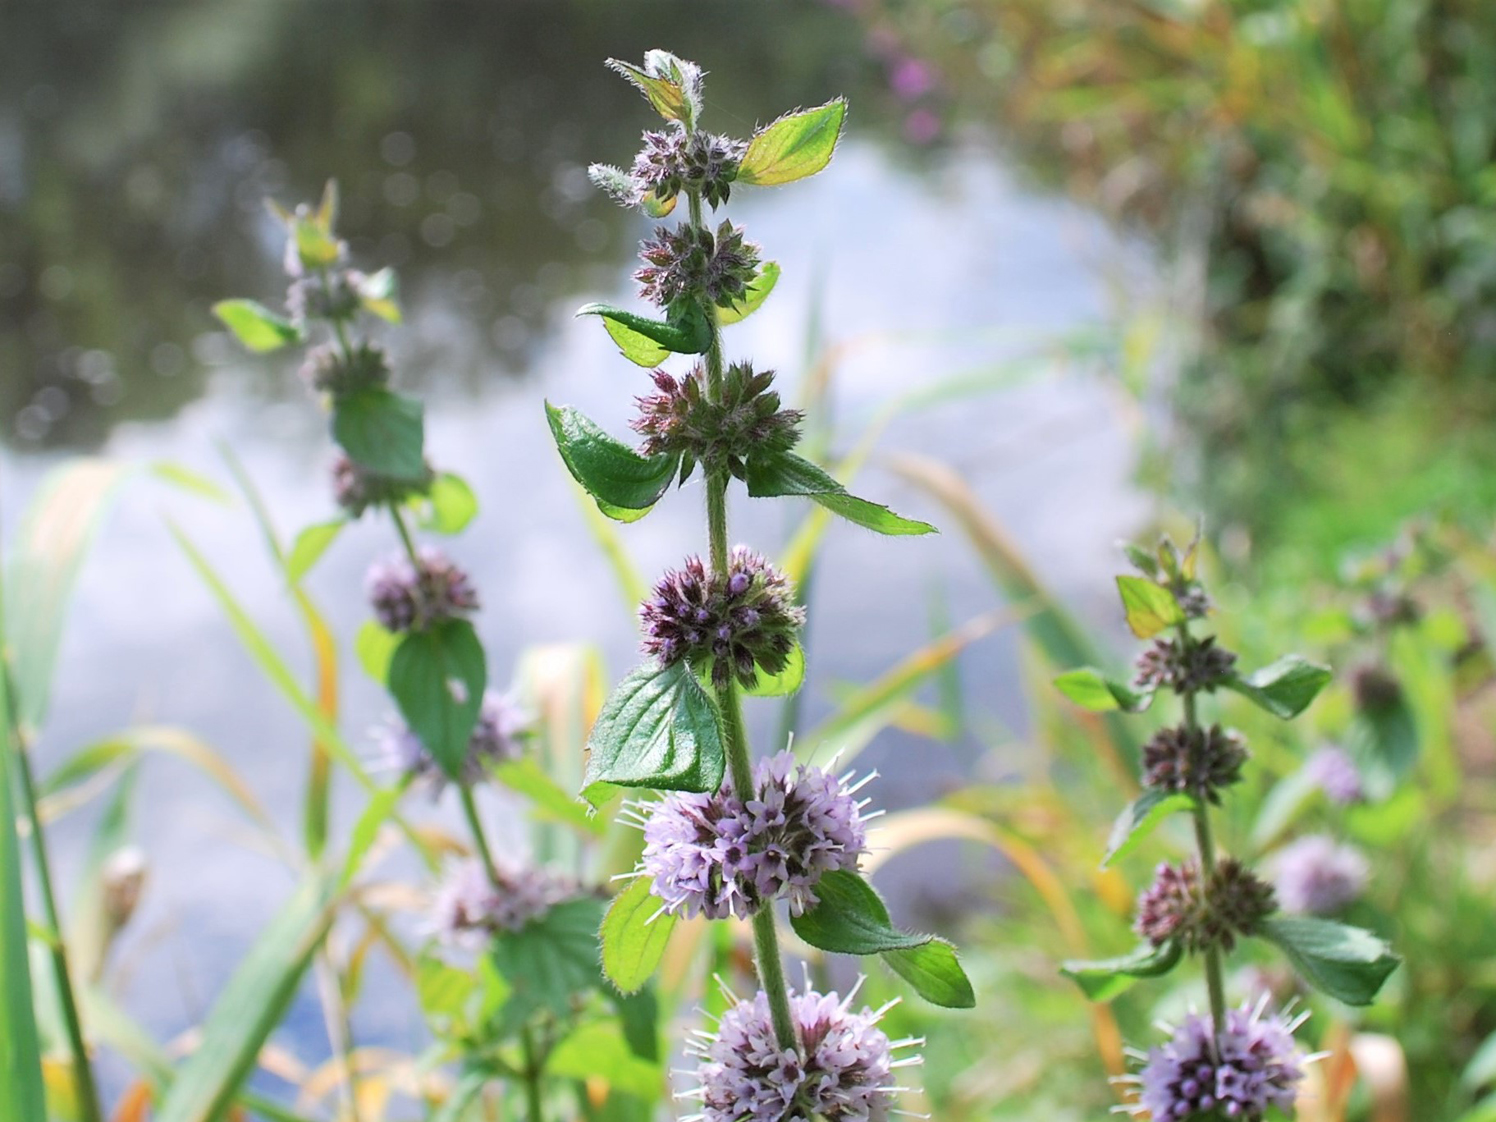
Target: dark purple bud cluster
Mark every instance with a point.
(746, 418)
(738, 622)
(1184, 667)
(328, 370)
(688, 261)
(1195, 762)
(673, 161)
(331, 294)
(1374, 687)
(407, 600)
(1203, 912)
(356, 488)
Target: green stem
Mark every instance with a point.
(480, 839)
(533, 1108)
(1205, 842)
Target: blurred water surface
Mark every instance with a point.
(136, 144)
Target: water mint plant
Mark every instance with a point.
(728, 838)
(1230, 1063)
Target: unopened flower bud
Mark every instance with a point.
(1317, 876)
(690, 262)
(1178, 905)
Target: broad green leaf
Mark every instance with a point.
(382, 431)
(658, 729)
(375, 646)
(1104, 980)
(672, 86)
(550, 799)
(436, 677)
(1345, 962)
(256, 326)
(793, 147)
(1091, 689)
(379, 293)
(786, 682)
(310, 545)
(851, 918)
(753, 299)
(1383, 740)
(775, 474)
(1285, 688)
(249, 1008)
(316, 244)
(690, 334)
(624, 484)
(1150, 607)
(442, 989)
(635, 934)
(1140, 818)
(635, 346)
(598, 1050)
(448, 506)
(550, 960)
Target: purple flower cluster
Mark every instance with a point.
(692, 262)
(1332, 770)
(355, 488)
(1184, 668)
(331, 295)
(1255, 1066)
(1203, 912)
(673, 160)
(738, 622)
(745, 418)
(496, 738)
(1196, 762)
(328, 370)
(843, 1070)
(1317, 876)
(407, 600)
(469, 909)
(722, 855)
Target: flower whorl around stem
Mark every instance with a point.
(406, 600)
(673, 160)
(1234, 901)
(739, 622)
(469, 909)
(722, 855)
(1184, 667)
(332, 294)
(1252, 1067)
(843, 1071)
(355, 488)
(327, 370)
(690, 261)
(746, 418)
(1196, 762)
(498, 737)
(1317, 876)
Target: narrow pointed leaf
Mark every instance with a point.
(667, 97)
(1286, 688)
(1150, 607)
(775, 474)
(1108, 978)
(635, 933)
(256, 326)
(753, 299)
(688, 335)
(436, 677)
(1345, 962)
(624, 483)
(793, 147)
(787, 682)
(550, 800)
(309, 547)
(382, 431)
(1093, 690)
(1140, 818)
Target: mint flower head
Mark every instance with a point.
(406, 600)
(1196, 762)
(843, 1071)
(1253, 1067)
(1332, 770)
(355, 488)
(746, 418)
(723, 855)
(1318, 876)
(469, 908)
(497, 738)
(739, 622)
(331, 294)
(1203, 912)
(1184, 668)
(327, 370)
(689, 261)
(673, 160)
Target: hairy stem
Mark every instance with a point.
(533, 1064)
(1205, 842)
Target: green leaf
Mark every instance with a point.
(550, 799)
(256, 326)
(1140, 818)
(437, 677)
(1091, 689)
(379, 293)
(688, 334)
(851, 918)
(658, 729)
(635, 934)
(793, 147)
(1150, 607)
(310, 545)
(671, 85)
(249, 1008)
(655, 207)
(447, 507)
(382, 431)
(1106, 979)
(773, 474)
(788, 681)
(1383, 740)
(549, 961)
(753, 299)
(1345, 962)
(375, 646)
(624, 484)
(638, 348)
(1285, 688)
(598, 1050)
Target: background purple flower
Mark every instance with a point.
(468, 909)
(1318, 876)
(498, 736)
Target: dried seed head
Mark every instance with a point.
(327, 371)
(355, 488)
(739, 622)
(1196, 762)
(689, 262)
(406, 600)
(746, 418)
(1234, 901)
(1184, 668)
